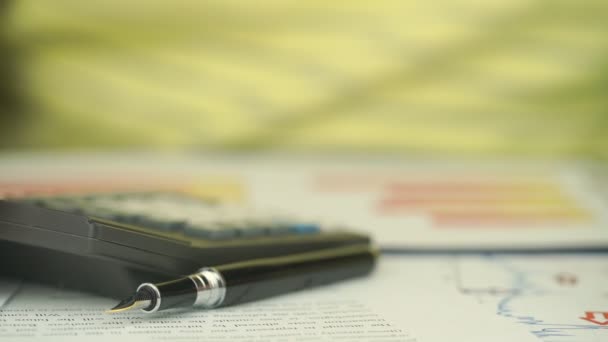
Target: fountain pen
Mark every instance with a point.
(245, 281)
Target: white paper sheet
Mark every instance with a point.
(551, 298)
(442, 205)
(404, 300)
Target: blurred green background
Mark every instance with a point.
(457, 77)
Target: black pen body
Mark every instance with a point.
(252, 280)
(263, 278)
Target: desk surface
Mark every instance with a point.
(525, 297)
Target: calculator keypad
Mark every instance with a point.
(176, 212)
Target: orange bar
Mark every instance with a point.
(446, 220)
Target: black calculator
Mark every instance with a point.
(109, 243)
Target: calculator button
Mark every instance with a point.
(211, 231)
(305, 228)
(253, 231)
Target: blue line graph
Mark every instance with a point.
(529, 287)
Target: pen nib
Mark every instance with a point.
(140, 300)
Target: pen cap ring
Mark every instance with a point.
(210, 288)
(156, 296)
